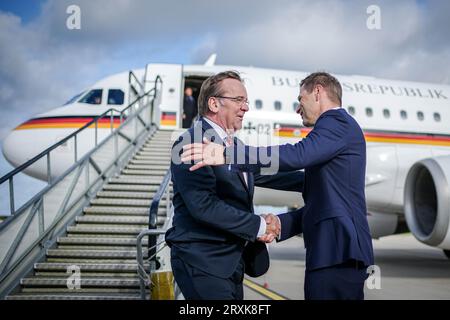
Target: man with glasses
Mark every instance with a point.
(214, 234)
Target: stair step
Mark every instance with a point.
(94, 247)
(131, 188)
(164, 162)
(155, 151)
(124, 202)
(72, 296)
(87, 275)
(131, 241)
(91, 254)
(132, 211)
(148, 167)
(99, 291)
(133, 172)
(86, 267)
(133, 180)
(125, 195)
(78, 261)
(105, 283)
(156, 147)
(162, 142)
(162, 138)
(154, 160)
(152, 156)
(123, 220)
(105, 230)
(159, 141)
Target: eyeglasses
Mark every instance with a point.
(239, 100)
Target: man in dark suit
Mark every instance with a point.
(189, 108)
(333, 220)
(213, 237)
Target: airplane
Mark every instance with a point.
(406, 127)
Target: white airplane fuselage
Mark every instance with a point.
(403, 122)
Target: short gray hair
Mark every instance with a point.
(211, 88)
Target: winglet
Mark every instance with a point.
(211, 60)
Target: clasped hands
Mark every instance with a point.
(273, 228)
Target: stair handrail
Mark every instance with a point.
(46, 153)
(152, 232)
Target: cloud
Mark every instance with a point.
(332, 35)
(42, 63)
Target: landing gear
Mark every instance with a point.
(447, 253)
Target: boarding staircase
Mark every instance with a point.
(87, 246)
(102, 242)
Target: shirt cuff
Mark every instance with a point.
(262, 228)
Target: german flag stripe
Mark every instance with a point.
(169, 118)
(380, 136)
(67, 122)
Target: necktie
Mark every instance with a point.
(228, 142)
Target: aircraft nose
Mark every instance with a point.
(24, 143)
(11, 148)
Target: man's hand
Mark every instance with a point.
(206, 153)
(273, 228)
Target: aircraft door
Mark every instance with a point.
(167, 111)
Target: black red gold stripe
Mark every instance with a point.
(407, 138)
(67, 122)
(377, 136)
(168, 118)
(290, 131)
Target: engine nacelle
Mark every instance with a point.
(427, 201)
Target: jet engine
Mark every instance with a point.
(427, 202)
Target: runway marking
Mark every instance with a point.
(272, 295)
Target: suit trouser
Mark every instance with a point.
(198, 285)
(340, 282)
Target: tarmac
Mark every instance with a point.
(408, 269)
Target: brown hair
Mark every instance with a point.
(211, 88)
(327, 81)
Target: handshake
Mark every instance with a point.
(273, 228)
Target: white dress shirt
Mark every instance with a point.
(223, 135)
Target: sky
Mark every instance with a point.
(43, 63)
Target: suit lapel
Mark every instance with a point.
(247, 185)
(216, 138)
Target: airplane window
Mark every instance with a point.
(403, 114)
(437, 117)
(351, 110)
(93, 97)
(258, 104)
(295, 105)
(386, 113)
(74, 98)
(369, 112)
(420, 115)
(115, 96)
(277, 105)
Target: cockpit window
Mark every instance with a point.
(93, 97)
(115, 96)
(74, 98)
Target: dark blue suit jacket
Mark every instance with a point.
(214, 224)
(333, 220)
